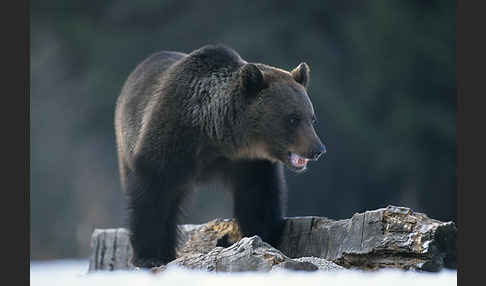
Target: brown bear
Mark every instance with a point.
(186, 119)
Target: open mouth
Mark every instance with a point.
(297, 162)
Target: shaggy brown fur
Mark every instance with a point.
(184, 119)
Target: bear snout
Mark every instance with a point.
(317, 152)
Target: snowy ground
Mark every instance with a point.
(73, 272)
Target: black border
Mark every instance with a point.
(470, 63)
(15, 210)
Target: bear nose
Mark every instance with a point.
(317, 153)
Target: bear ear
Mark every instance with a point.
(252, 80)
(301, 74)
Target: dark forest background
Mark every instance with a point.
(383, 83)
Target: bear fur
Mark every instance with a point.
(182, 120)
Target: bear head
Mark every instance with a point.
(280, 117)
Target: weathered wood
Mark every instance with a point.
(248, 254)
(393, 237)
(111, 250)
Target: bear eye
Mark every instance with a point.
(294, 120)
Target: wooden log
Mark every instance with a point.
(248, 254)
(111, 250)
(391, 237)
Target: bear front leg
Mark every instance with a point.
(259, 199)
(153, 209)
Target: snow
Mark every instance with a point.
(74, 272)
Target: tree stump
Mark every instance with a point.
(391, 237)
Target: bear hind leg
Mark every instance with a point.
(153, 213)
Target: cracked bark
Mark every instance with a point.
(391, 237)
